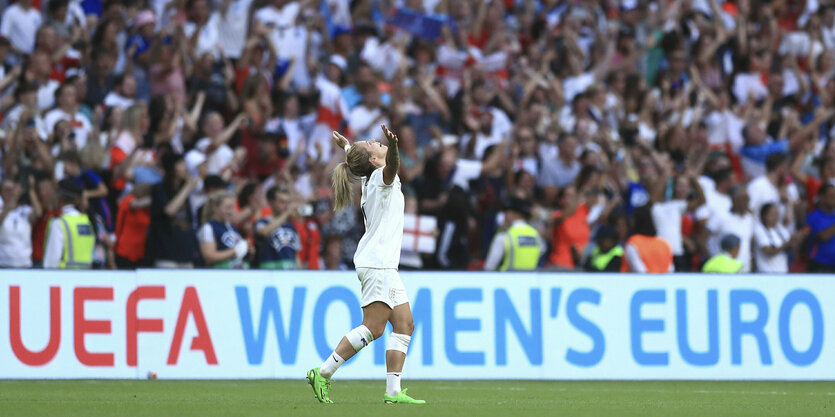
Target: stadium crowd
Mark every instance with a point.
(630, 135)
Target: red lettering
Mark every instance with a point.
(135, 324)
(203, 341)
(81, 326)
(25, 355)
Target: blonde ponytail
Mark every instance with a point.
(343, 191)
(359, 164)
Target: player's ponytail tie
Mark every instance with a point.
(347, 147)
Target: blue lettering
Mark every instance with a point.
(813, 352)
(639, 326)
(592, 357)
(288, 342)
(556, 293)
(505, 312)
(711, 356)
(422, 316)
(328, 297)
(455, 325)
(755, 328)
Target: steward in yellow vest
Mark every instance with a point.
(519, 247)
(607, 255)
(725, 262)
(70, 238)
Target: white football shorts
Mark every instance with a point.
(383, 285)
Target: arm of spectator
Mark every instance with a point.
(100, 191)
(495, 158)
(10, 78)
(7, 208)
(496, 252)
(742, 26)
(227, 133)
(480, 16)
(191, 118)
(825, 234)
(700, 193)
(212, 255)
(272, 59)
(436, 98)
(177, 202)
(633, 259)
(799, 76)
(287, 78)
(799, 137)
(602, 68)
(276, 221)
(797, 164)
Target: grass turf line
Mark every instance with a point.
(461, 399)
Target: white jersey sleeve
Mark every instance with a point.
(382, 211)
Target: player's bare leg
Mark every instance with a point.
(402, 328)
(375, 317)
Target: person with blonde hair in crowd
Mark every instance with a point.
(220, 243)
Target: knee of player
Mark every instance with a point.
(406, 327)
(376, 329)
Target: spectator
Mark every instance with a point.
(20, 24)
(45, 189)
(821, 223)
(453, 248)
(772, 240)
(562, 171)
(132, 227)
(644, 251)
(775, 187)
(70, 237)
(607, 254)
(738, 222)
(667, 214)
(220, 244)
(727, 261)
(171, 239)
(519, 247)
(83, 174)
(16, 222)
(332, 254)
(123, 93)
(279, 245)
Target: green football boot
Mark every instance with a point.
(401, 398)
(320, 385)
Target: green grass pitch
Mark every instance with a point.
(460, 399)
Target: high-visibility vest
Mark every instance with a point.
(599, 260)
(655, 252)
(79, 241)
(521, 248)
(723, 264)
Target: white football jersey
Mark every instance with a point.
(382, 211)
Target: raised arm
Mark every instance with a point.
(392, 157)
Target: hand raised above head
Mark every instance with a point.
(339, 140)
(392, 138)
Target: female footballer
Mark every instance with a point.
(376, 260)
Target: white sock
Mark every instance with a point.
(331, 364)
(392, 383)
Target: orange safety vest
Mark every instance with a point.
(655, 252)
